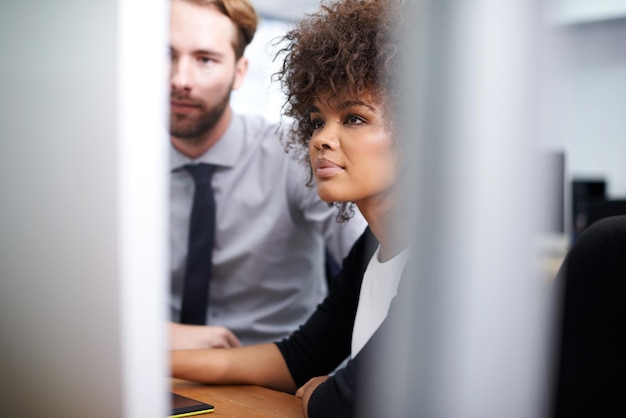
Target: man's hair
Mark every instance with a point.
(242, 14)
(347, 48)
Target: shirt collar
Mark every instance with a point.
(224, 153)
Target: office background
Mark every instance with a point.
(582, 67)
(82, 161)
(584, 90)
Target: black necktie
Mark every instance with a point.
(200, 247)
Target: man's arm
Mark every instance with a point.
(189, 337)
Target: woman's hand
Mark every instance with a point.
(188, 337)
(307, 390)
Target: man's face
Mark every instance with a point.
(204, 69)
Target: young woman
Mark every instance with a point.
(337, 75)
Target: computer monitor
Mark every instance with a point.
(605, 208)
(585, 193)
(83, 218)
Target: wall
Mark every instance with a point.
(584, 88)
(258, 94)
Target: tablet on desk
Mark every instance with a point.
(186, 407)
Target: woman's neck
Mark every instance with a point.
(385, 219)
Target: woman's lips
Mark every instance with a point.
(325, 168)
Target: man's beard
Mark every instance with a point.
(195, 128)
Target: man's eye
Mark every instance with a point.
(204, 60)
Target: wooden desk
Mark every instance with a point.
(241, 400)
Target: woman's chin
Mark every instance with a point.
(329, 197)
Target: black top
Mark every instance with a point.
(324, 341)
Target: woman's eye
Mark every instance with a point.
(317, 123)
(354, 120)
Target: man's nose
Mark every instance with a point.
(181, 77)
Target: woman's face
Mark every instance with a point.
(351, 150)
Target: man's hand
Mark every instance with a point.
(187, 337)
(307, 390)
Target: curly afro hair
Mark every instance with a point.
(345, 49)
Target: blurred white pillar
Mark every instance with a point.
(83, 216)
(473, 344)
(143, 149)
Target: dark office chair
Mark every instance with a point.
(590, 375)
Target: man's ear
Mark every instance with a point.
(241, 69)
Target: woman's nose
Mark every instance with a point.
(325, 138)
